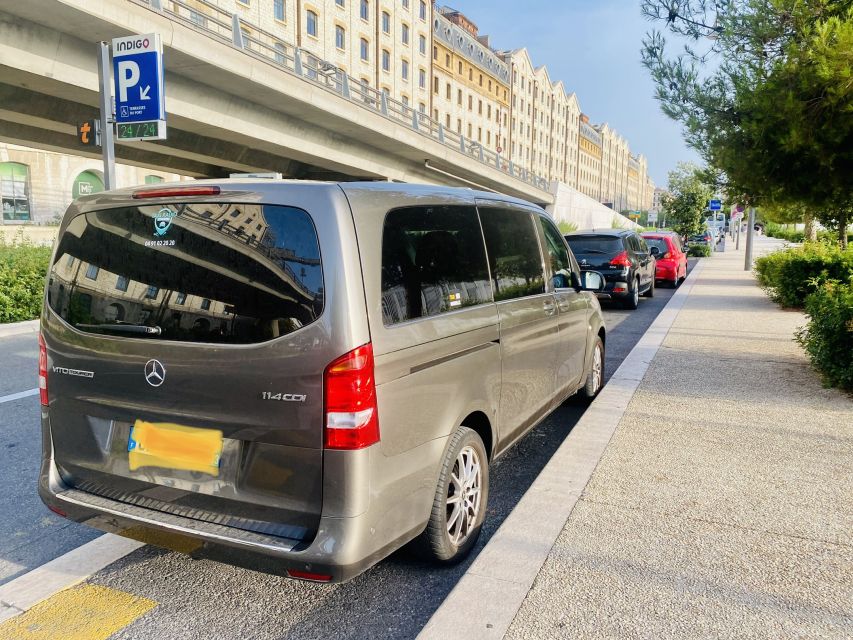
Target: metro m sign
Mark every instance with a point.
(138, 77)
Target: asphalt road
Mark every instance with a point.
(200, 598)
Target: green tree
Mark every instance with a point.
(687, 200)
(764, 91)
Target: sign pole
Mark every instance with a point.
(106, 116)
(750, 233)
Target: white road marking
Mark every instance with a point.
(19, 395)
(63, 572)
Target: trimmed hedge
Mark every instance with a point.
(699, 251)
(23, 269)
(828, 337)
(789, 276)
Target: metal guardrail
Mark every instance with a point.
(229, 28)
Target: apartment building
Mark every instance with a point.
(589, 159)
(470, 82)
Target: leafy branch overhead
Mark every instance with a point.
(764, 92)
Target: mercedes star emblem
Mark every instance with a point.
(155, 373)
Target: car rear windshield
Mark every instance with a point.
(595, 244)
(660, 243)
(224, 273)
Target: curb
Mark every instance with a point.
(16, 328)
(503, 573)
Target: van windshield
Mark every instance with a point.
(224, 273)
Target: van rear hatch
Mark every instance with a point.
(187, 376)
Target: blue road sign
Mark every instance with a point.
(715, 205)
(138, 78)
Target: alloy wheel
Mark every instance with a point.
(596, 369)
(464, 493)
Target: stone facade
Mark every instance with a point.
(49, 185)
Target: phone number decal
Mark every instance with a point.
(159, 243)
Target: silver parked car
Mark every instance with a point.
(303, 377)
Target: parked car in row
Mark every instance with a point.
(622, 256)
(303, 377)
(670, 258)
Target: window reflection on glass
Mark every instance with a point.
(232, 273)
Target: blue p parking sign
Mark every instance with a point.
(715, 205)
(138, 78)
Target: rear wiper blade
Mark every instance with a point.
(124, 328)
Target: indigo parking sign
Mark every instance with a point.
(138, 78)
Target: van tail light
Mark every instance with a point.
(42, 372)
(350, 396)
(621, 260)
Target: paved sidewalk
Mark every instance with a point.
(723, 505)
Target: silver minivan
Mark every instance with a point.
(302, 377)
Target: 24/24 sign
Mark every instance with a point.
(138, 78)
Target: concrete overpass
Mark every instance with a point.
(232, 106)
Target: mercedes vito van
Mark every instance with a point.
(302, 377)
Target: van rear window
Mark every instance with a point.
(223, 273)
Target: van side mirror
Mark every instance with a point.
(561, 281)
(592, 281)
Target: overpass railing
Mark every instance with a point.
(230, 28)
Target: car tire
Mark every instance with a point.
(633, 301)
(595, 377)
(650, 292)
(459, 505)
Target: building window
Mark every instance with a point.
(386, 22)
(92, 272)
(205, 304)
(423, 10)
(459, 97)
(405, 4)
(151, 292)
(470, 103)
(447, 91)
(278, 9)
(122, 283)
(422, 108)
(365, 10)
(340, 37)
(404, 34)
(422, 78)
(340, 3)
(198, 19)
(459, 67)
(435, 84)
(404, 69)
(152, 179)
(386, 60)
(181, 298)
(311, 24)
(405, 100)
(422, 44)
(279, 52)
(365, 50)
(435, 53)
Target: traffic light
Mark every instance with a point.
(89, 133)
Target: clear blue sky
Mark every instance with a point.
(593, 46)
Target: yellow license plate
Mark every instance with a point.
(174, 446)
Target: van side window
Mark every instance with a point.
(558, 254)
(514, 256)
(433, 261)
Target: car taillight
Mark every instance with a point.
(621, 260)
(350, 396)
(42, 372)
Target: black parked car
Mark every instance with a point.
(622, 257)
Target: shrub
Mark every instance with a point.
(23, 269)
(790, 275)
(774, 230)
(699, 251)
(828, 337)
(566, 227)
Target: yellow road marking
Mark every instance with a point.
(87, 612)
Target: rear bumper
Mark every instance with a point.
(342, 548)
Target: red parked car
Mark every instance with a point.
(671, 258)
